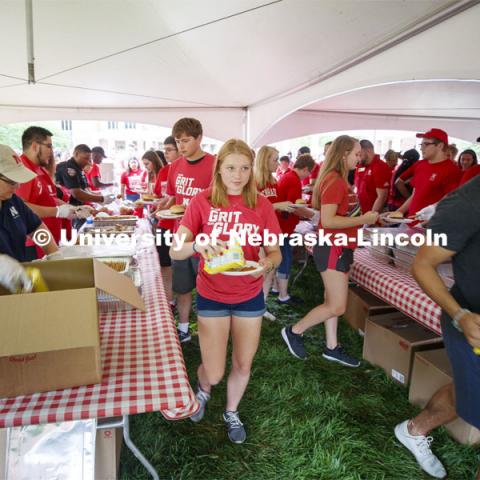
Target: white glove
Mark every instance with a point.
(65, 211)
(13, 276)
(83, 212)
(58, 255)
(426, 213)
(108, 198)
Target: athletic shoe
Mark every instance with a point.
(274, 292)
(294, 343)
(202, 398)
(269, 316)
(339, 355)
(291, 300)
(419, 445)
(235, 429)
(184, 337)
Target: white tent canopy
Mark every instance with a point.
(262, 70)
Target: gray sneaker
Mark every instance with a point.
(235, 428)
(202, 398)
(294, 343)
(339, 355)
(419, 446)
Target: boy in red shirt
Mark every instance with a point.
(433, 177)
(373, 183)
(190, 174)
(93, 175)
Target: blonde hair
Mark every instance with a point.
(263, 175)
(334, 162)
(219, 196)
(391, 155)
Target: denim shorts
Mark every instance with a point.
(255, 307)
(466, 372)
(283, 270)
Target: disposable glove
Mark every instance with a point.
(65, 211)
(108, 198)
(13, 276)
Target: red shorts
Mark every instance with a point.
(332, 258)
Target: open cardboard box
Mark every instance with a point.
(431, 371)
(50, 340)
(392, 339)
(362, 304)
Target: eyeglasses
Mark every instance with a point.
(7, 180)
(426, 144)
(48, 145)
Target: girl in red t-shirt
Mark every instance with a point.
(233, 303)
(131, 180)
(331, 197)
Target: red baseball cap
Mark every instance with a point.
(435, 133)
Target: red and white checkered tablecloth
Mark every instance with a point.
(143, 367)
(396, 288)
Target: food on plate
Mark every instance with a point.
(126, 211)
(300, 201)
(103, 210)
(139, 203)
(395, 215)
(177, 209)
(147, 197)
(245, 268)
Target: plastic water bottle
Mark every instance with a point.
(89, 220)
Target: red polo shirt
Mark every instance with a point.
(41, 191)
(431, 182)
(289, 188)
(376, 175)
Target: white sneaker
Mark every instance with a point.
(419, 445)
(269, 316)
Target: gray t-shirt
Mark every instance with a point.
(458, 215)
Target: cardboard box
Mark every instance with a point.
(392, 339)
(362, 304)
(108, 446)
(431, 371)
(50, 340)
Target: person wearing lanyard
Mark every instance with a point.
(17, 221)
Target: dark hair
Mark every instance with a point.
(152, 157)
(82, 148)
(367, 144)
(187, 126)
(161, 156)
(133, 159)
(34, 134)
(472, 153)
(170, 141)
(285, 158)
(303, 161)
(303, 150)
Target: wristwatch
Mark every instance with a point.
(458, 315)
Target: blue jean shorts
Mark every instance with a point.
(255, 307)
(466, 372)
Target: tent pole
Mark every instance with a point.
(30, 55)
(246, 125)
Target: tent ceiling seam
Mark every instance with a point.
(165, 37)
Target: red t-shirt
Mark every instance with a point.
(336, 191)
(94, 172)
(469, 173)
(202, 217)
(313, 175)
(159, 190)
(431, 182)
(376, 175)
(289, 188)
(280, 173)
(270, 191)
(133, 181)
(41, 191)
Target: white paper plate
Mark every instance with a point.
(168, 215)
(248, 263)
(301, 205)
(398, 220)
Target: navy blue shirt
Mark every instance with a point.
(16, 222)
(70, 175)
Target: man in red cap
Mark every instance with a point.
(433, 177)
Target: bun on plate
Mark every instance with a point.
(300, 201)
(177, 209)
(395, 215)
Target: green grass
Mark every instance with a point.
(304, 420)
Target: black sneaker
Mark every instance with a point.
(339, 355)
(291, 300)
(294, 343)
(235, 429)
(184, 337)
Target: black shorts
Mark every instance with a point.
(163, 249)
(332, 258)
(185, 275)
